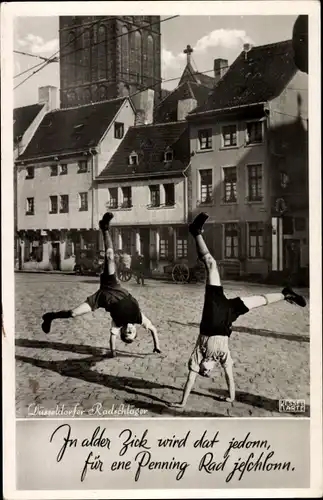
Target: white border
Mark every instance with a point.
(312, 8)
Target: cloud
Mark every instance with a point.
(37, 45)
(169, 60)
(229, 39)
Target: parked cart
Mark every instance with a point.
(184, 272)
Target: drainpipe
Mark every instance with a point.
(186, 195)
(92, 152)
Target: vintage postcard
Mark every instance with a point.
(161, 249)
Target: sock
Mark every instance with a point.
(48, 318)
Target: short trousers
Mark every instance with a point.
(215, 348)
(99, 298)
(219, 312)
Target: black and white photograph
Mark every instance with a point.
(161, 219)
(112, 165)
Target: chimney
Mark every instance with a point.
(184, 107)
(140, 117)
(144, 103)
(221, 66)
(48, 95)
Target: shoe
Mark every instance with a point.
(196, 227)
(293, 298)
(47, 321)
(105, 221)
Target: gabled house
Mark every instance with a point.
(56, 198)
(145, 185)
(250, 163)
(26, 120)
(193, 90)
(181, 101)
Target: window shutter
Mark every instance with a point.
(242, 237)
(267, 241)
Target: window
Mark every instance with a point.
(168, 156)
(163, 249)
(102, 52)
(154, 195)
(181, 244)
(30, 206)
(254, 134)
(206, 185)
(64, 204)
(255, 182)
(30, 172)
(127, 198)
(169, 195)
(83, 202)
(133, 159)
(82, 167)
(230, 184)
(53, 170)
(87, 55)
(256, 240)
(63, 169)
(113, 194)
(53, 205)
(124, 53)
(118, 130)
(205, 138)
(231, 241)
(229, 136)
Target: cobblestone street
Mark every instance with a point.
(270, 348)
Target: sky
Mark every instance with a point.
(211, 37)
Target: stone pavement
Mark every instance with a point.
(270, 348)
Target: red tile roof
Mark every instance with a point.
(167, 109)
(23, 118)
(150, 143)
(255, 77)
(72, 129)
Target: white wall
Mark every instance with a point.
(109, 144)
(140, 213)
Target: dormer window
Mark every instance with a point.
(168, 155)
(30, 172)
(133, 158)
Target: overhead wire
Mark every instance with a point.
(50, 59)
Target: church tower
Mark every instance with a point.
(107, 57)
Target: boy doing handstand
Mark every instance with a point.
(122, 306)
(217, 317)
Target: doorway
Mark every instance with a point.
(292, 256)
(56, 256)
(145, 246)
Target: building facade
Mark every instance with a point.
(57, 211)
(108, 57)
(145, 186)
(249, 141)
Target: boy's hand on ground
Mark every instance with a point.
(112, 354)
(156, 349)
(177, 405)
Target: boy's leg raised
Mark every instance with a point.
(196, 229)
(109, 261)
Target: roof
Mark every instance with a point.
(167, 109)
(23, 118)
(255, 77)
(72, 129)
(150, 143)
(189, 74)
